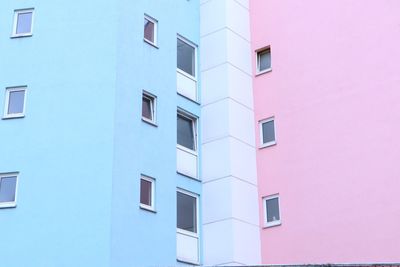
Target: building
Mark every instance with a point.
(199, 132)
(326, 88)
(92, 114)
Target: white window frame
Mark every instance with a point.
(258, 61)
(194, 120)
(153, 191)
(155, 22)
(274, 223)
(194, 78)
(185, 232)
(271, 143)
(153, 108)
(11, 204)
(7, 102)
(15, 23)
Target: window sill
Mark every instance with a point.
(150, 43)
(188, 176)
(188, 262)
(184, 73)
(152, 123)
(195, 101)
(5, 205)
(273, 143)
(258, 73)
(14, 116)
(21, 35)
(272, 224)
(147, 208)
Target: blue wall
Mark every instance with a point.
(82, 146)
(63, 147)
(139, 237)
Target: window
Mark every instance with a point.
(267, 129)
(149, 107)
(271, 209)
(186, 211)
(23, 23)
(186, 132)
(15, 102)
(150, 30)
(147, 193)
(186, 57)
(264, 60)
(8, 190)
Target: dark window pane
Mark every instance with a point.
(16, 102)
(185, 132)
(7, 188)
(145, 192)
(272, 210)
(24, 23)
(149, 30)
(186, 60)
(186, 212)
(146, 108)
(265, 60)
(268, 131)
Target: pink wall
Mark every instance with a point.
(334, 90)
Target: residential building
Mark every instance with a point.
(100, 155)
(199, 133)
(326, 88)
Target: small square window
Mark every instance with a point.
(23, 23)
(149, 108)
(186, 131)
(267, 130)
(187, 211)
(186, 57)
(8, 190)
(15, 102)
(264, 60)
(271, 209)
(150, 30)
(147, 193)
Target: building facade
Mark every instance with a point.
(199, 132)
(100, 162)
(326, 87)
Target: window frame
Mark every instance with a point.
(183, 231)
(152, 180)
(6, 115)
(274, 223)
(155, 32)
(10, 204)
(258, 60)
(194, 120)
(190, 43)
(153, 107)
(270, 143)
(15, 22)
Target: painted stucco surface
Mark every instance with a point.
(334, 91)
(82, 146)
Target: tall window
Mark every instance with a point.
(8, 188)
(264, 60)
(186, 211)
(15, 102)
(150, 30)
(186, 57)
(149, 107)
(267, 130)
(186, 131)
(23, 23)
(147, 185)
(271, 208)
